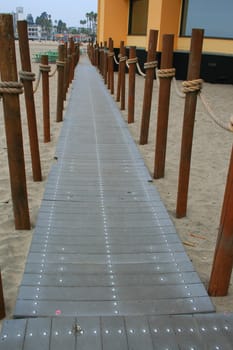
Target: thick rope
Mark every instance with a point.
(228, 126)
(24, 75)
(150, 65)
(10, 87)
(192, 86)
(165, 73)
(45, 68)
(131, 61)
(61, 63)
(37, 82)
(117, 62)
(123, 58)
(111, 54)
(139, 70)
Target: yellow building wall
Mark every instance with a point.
(163, 15)
(113, 20)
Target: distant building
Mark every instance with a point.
(34, 32)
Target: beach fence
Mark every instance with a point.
(192, 89)
(10, 89)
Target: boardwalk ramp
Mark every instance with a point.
(106, 268)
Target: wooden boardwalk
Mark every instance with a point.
(106, 268)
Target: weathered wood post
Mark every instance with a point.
(68, 68)
(66, 71)
(2, 304)
(189, 117)
(101, 60)
(77, 54)
(27, 78)
(223, 258)
(122, 61)
(105, 63)
(97, 55)
(132, 72)
(165, 74)
(45, 69)
(111, 67)
(150, 73)
(12, 118)
(72, 65)
(60, 82)
(118, 94)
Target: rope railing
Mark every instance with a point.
(226, 126)
(115, 59)
(196, 86)
(10, 87)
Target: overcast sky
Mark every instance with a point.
(69, 11)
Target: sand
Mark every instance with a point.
(210, 161)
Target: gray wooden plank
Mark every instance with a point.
(88, 268)
(37, 334)
(63, 333)
(90, 338)
(113, 333)
(31, 308)
(12, 334)
(70, 279)
(138, 332)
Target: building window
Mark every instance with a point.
(138, 17)
(215, 17)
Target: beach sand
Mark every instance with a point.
(210, 161)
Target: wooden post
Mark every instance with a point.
(131, 94)
(223, 259)
(13, 126)
(2, 304)
(71, 72)
(111, 67)
(45, 95)
(163, 108)
(105, 63)
(188, 123)
(150, 73)
(118, 94)
(68, 68)
(66, 71)
(29, 99)
(60, 82)
(122, 68)
(101, 67)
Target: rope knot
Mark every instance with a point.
(11, 87)
(61, 63)
(132, 60)
(45, 68)
(166, 73)
(111, 54)
(24, 75)
(149, 65)
(123, 58)
(192, 85)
